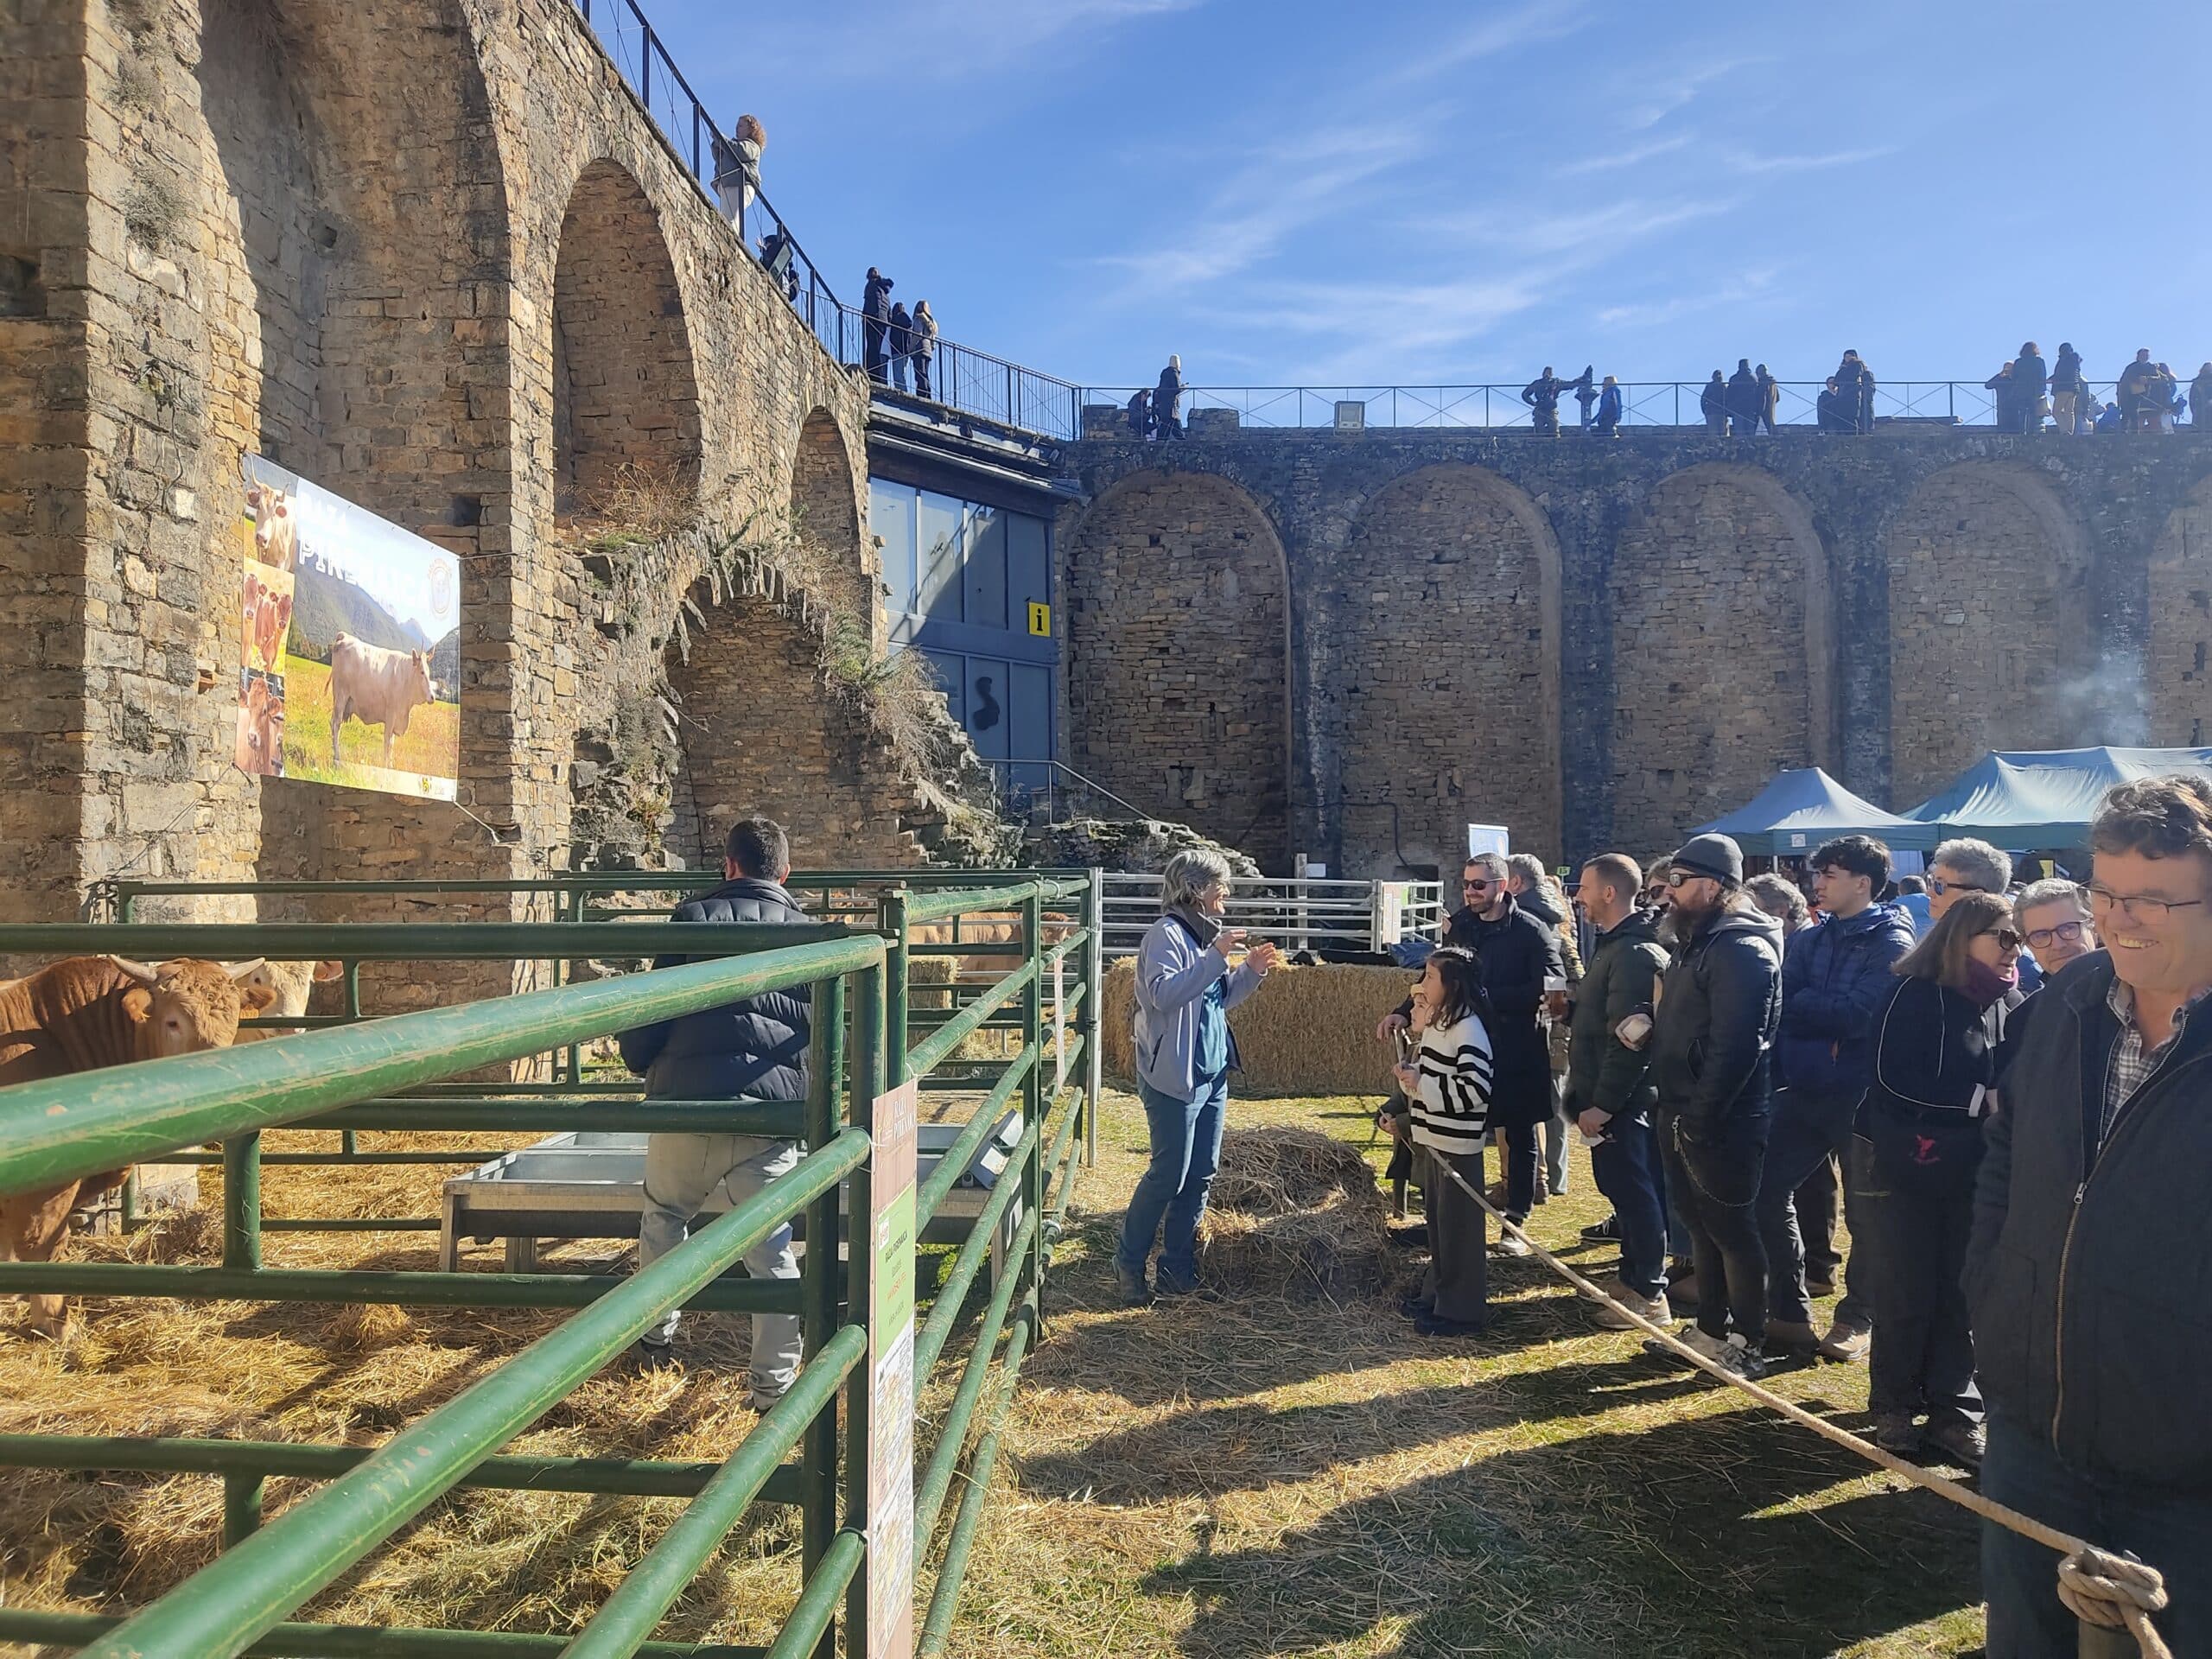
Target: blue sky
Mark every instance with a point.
(1379, 192)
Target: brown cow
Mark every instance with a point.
(377, 687)
(266, 625)
(261, 731)
(87, 1012)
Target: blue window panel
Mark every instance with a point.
(952, 673)
(988, 722)
(891, 514)
(938, 521)
(1029, 713)
(984, 569)
(1028, 566)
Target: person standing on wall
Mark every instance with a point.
(875, 322)
(1586, 394)
(899, 336)
(2083, 1272)
(1719, 1005)
(1518, 955)
(1770, 400)
(1712, 403)
(923, 334)
(754, 1049)
(1934, 1072)
(737, 170)
(2200, 401)
(2066, 387)
(1446, 1084)
(2134, 393)
(1185, 989)
(1611, 1093)
(1835, 979)
(2029, 384)
(1855, 384)
(1742, 400)
(1609, 409)
(1165, 398)
(1542, 395)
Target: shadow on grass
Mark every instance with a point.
(1671, 1540)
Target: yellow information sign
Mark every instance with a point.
(1040, 618)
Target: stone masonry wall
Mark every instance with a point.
(387, 244)
(1724, 607)
(1174, 605)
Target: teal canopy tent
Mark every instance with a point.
(2023, 799)
(1800, 809)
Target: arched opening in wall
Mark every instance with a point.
(1723, 651)
(1178, 676)
(1992, 637)
(826, 519)
(1451, 709)
(760, 733)
(626, 398)
(2179, 676)
(355, 254)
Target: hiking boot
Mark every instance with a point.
(1845, 1343)
(1960, 1441)
(655, 1359)
(1654, 1308)
(1792, 1336)
(1895, 1431)
(1607, 1231)
(1434, 1325)
(1136, 1293)
(1698, 1340)
(1508, 1245)
(1742, 1359)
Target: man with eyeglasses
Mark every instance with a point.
(1964, 865)
(2084, 1274)
(2054, 919)
(1518, 953)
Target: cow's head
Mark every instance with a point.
(420, 662)
(272, 512)
(289, 983)
(184, 1006)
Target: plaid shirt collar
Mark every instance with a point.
(2133, 1058)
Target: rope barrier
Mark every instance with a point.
(2097, 1587)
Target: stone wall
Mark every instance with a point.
(1886, 607)
(432, 255)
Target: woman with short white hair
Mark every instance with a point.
(1186, 988)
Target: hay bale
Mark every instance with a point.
(1306, 1031)
(1295, 1213)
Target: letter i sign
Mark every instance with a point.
(1040, 618)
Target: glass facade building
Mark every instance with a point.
(970, 588)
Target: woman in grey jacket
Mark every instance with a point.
(1186, 988)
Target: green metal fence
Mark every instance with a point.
(359, 1074)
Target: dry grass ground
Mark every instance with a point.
(1301, 1475)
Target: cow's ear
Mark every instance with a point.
(137, 1005)
(326, 971)
(253, 998)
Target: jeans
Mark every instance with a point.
(1559, 1133)
(1186, 1152)
(899, 361)
(1806, 1130)
(683, 1171)
(1720, 1188)
(1520, 1160)
(1924, 1342)
(1627, 1166)
(2171, 1530)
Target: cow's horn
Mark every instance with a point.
(240, 969)
(137, 970)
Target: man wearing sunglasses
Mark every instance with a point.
(1965, 866)
(2084, 1274)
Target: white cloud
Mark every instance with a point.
(1634, 155)
(1745, 162)
(1751, 287)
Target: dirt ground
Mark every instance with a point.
(1274, 1475)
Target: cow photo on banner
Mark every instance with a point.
(351, 667)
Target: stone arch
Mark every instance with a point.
(1451, 714)
(1178, 678)
(826, 516)
(1992, 643)
(625, 395)
(358, 253)
(760, 733)
(1723, 652)
(2180, 690)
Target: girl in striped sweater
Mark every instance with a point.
(1447, 1081)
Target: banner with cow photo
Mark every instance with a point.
(350, 670)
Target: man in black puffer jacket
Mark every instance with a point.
(2085, 1273)
(1719, 1006)
(754, 1049)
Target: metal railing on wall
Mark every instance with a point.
(971, 382)
(1499, 406)
(390, 1073)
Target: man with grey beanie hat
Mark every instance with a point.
(1719, 1008)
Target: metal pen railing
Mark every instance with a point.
(1498, 406)
(970, 382)
(640, 57)
(1297, 912)
(385, 1072)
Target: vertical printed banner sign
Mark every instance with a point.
(352, 630)
(890, 1376)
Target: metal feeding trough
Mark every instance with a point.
(591, 1184)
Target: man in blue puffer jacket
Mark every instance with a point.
(752, 1049)
(1833, 982)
